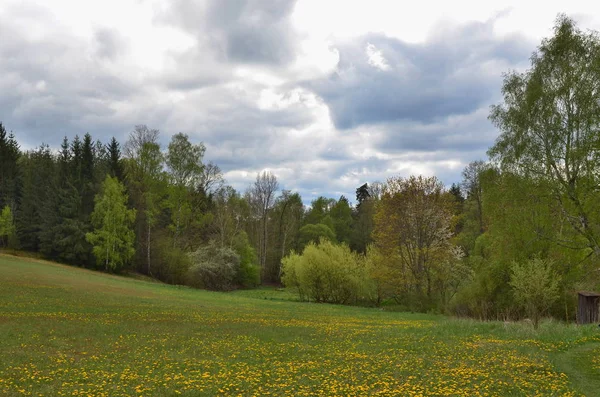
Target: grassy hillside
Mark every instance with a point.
(68, 331)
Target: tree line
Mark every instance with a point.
(517, 236)
(140, 207)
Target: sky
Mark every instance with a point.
(325, 94)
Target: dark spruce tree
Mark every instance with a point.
(9, 170)
(115, 165)
(38, 175)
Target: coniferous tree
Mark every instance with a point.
(9, 171)
(115, 166)
(64, 229)
(38, 174)
(88, 178)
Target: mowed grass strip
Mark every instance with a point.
(69, 331)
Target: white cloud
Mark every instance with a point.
(244, 86)
(376, 58)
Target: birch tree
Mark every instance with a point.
(550, 127)
(113, 237)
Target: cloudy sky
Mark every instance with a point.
(326, 94)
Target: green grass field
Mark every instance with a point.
(69, 331)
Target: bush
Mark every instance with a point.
(171, 264)
(327, 272)
(535, 286)
(249, 273)
(214, 268)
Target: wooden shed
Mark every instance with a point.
(587, 308)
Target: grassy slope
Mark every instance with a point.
(68, 331)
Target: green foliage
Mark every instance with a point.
(171, 263)
(213, 267)
(536, 287)
(549, 129)
(312, 233)
(37, 168)
(362, 227)
(147, 186)
(413, 229)
(113, 237)
(115, 166)
(7, 226)
(9, 169)
(184, 162)
(341, 215)
(327, 273)
(319, 209)
(249, 273)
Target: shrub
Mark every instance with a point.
(535, 287)
(249, 273)
(171, 264)
(213, 267)
(327, 272)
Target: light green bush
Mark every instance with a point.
(536, 286)
(327, 272)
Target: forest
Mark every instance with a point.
(517, 237)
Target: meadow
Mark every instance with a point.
(67, 331)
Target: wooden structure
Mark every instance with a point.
(587, 308)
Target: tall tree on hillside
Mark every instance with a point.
(287, 220)
(262, 195)
(112, 238)
(87, 178)
(319, 212)
(471, 185)
(146, 182)
(9, 171)
(115, 166)
(64, 226)
(230, 213)
(140, 136)
(341, 215)
(184, 162)
(362, 228)
(211, 179)
(550, 127)
(38, 175)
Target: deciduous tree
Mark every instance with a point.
(550, 126)
(413, 229)
(113, 238)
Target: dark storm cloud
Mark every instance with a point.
(453, 72)
(244, 31)
(470, 133)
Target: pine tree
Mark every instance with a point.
(88, 178)
(9, 171)
(38, 175)
(115, 167)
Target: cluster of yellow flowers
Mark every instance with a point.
(251, 355)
